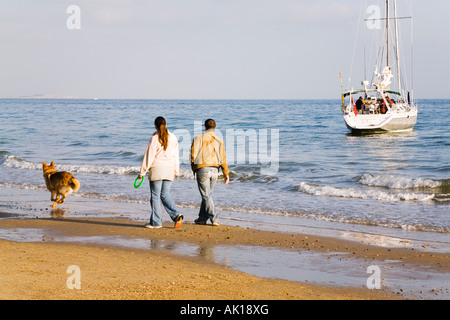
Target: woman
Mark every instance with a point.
(162, 159)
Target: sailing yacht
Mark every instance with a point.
(378, 107)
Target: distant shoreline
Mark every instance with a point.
(55, 97)
(48, 96)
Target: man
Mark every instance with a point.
(207, 157)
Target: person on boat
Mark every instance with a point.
(359, 104)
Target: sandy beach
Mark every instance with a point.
(38, 269)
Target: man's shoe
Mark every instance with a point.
(178, 221)
(200, 222)
(216, 223)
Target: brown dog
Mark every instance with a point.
(59, 183)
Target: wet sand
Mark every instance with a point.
(37, 270)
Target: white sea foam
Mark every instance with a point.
(26, 186)
(393, 182)
(17, 163)
(330, 191)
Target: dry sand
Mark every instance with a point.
(39, 270)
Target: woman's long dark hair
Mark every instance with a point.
(163, 133)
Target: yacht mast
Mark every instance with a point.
(387, 33)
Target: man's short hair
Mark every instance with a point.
(210, 124)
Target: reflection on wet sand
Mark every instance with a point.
(331, 268)
(57, 213)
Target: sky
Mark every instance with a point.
(206, 49)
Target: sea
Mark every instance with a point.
(294, 165)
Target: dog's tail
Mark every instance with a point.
(74, 184)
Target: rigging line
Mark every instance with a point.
(365, 54)
(399, 18)
(374, 40)
(404, 76)
(411, 59)
(397, 55)
(354, 45)
(375, 49)
(380, 55)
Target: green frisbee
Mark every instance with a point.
(137, 186)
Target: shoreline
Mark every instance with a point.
(228, 235)
(65, 238)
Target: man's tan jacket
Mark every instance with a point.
(208, 150)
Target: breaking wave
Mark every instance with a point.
(18, 163)
(342, 192)
(27, 186)
(393, 182)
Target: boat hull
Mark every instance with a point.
(394, 122)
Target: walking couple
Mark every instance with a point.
(161, 159)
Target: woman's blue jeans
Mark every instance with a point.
(206, 179)
(160, 192)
